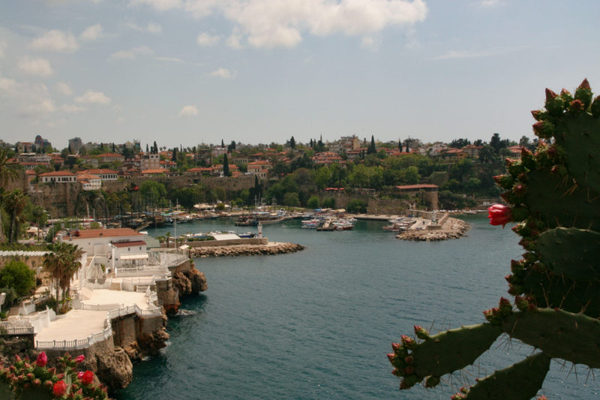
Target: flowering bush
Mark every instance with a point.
(64, 382)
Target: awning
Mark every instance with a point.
(134, 257)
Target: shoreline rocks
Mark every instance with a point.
(271, 248)
(452, 228)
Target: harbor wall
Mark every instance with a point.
(228, 242)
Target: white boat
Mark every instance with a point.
(311, 223)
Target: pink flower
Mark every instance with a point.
(499, 214)
(80, 358)
(59, 388)
(87, 378)
(80, 374)
(42, 359)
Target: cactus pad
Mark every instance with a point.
(520, 381)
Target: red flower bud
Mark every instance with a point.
(42, 359)
(409, 359)
(576, 105)
(59, 388)
(499, 214)
(87, 378)
(80, 358)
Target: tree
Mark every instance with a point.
(372, 149)
(153, 192)
(400, 145)
(15, 203)
(231, 146)
(356, 206)
(313, 202)
(226, 171)
(459, 143)
(18, 276)
(62, 264)
(155, 148)
(8, 173)
(291, 199)
(292, 143)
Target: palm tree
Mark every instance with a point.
(15, 203)
(8, 173)
(62, 264)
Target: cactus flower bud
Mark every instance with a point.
(59, 388)
(576, 106)
(409, 359)
(543, 129)
(421, 332)
(584, 85)
(396, 346)
(550, 94)
(499, 214)
(42, 359)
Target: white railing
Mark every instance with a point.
(76, 344)
(118, 310)
(18, 327)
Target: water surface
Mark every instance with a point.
(317, 324)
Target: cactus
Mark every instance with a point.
(554, 199)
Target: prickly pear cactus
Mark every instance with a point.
(554, 198)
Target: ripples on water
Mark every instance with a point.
(317, 324)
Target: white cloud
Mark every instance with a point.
(56, 41)
(91, 33)
(92, 97)
(170, 59)
(71, 108)
(458, 54)
(152, 27)
(132, 54)
(223, 73)
(26, 99)
(268, 23)
(35, 66)
(188, 111)
(207, 40)
(64, 89)
(160, 5)
(490, 3)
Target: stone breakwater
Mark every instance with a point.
(452, 228)
(271, 248)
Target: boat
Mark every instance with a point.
(311, 223)
(343, 224)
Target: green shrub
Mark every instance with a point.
(17, 275)
(356, 206)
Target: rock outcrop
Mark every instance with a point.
(246, 250)
(453, 228)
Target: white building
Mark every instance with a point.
(58, 177)
(98, 242)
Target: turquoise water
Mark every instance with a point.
(317, 324)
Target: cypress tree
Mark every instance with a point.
(372, 149)
(226, 171)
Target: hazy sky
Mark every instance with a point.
(192, 71)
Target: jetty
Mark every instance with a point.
(428, 230)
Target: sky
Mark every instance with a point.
(185, 72)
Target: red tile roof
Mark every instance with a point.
(96, 233)
(58, 173)
(129, 243)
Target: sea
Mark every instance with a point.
(318, 324)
